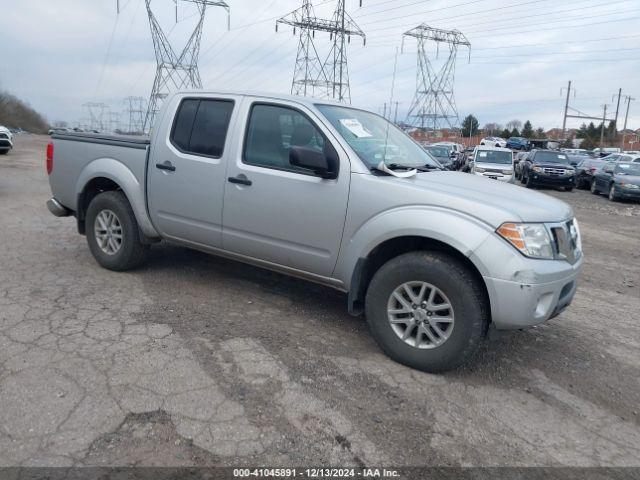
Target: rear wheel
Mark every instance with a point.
(569, 188)
(426, 310)
(112, 233)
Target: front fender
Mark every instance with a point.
(456, 229)
(120, 174)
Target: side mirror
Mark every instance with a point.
(321, 164)
(608, 170)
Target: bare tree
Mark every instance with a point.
(517, 124)
(491, 128)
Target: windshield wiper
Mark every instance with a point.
(424, 168)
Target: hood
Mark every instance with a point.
(491, 202)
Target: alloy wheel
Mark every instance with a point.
(420, 314)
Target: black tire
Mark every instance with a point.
(528, 182)
(594, 188)
(4, 152)
(569, 188)
(464, 293)
(613, 197)
(132, 252)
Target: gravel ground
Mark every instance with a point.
(195, 360)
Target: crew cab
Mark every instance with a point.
(304, 187)
(6, 140)
(548, 168)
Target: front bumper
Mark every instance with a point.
(516, 305)
(552, 180)
(628, 193)
(496, 176)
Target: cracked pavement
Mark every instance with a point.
(195, 360)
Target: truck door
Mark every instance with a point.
(277, 212)
(187, 167)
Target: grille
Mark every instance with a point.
(553, 171)
(565, 236)
(493, 170)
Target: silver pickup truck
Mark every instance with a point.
(334, 195)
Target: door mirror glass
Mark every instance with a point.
(316, 161)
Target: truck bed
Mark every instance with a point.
(80, 156)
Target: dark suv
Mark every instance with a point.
(548, 168)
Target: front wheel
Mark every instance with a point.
(594, 187)
(569, 188)
(613, 196)
(112, 233)
(426, 311)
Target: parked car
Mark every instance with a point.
(518, 143)
(585, 171)
(59, 130)
(493, 142)
(603, 152)
(518, 161)
(619, 180)
(493, 162)
(6, 140)
(443, 154)
(576, 159)
(548, 168)
(303, 187)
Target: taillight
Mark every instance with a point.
(49, 158)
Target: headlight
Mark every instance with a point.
(480, 170)
(537, 169)
(531, 239)
(629, 185)
(507, 172)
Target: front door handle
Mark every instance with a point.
(240, 180)
(168, 166)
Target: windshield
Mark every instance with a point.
(438, 151)
(494, 156)
(375, 139)
(551, 157)
(628, 169)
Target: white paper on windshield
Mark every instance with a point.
(355, 127)
(408, 174)
(482, 154)
(563, 157)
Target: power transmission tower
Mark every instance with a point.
(434, 103)
(98, 113)
(114, 121)
(176, 71)
(345, 28)
(312, 77)
(136, 109)
(309, 76)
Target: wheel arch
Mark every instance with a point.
(107, 174)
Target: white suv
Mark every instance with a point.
(6, 140)
(493, 142)
(493, 162)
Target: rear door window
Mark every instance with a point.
(201, 126)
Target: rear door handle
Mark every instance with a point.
(240, 180)
(168, 166)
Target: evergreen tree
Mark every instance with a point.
(527, 130)
(515, 133)
(469, 126)
(582, 132)
(540, 133)
(593, 131)
(505, 133)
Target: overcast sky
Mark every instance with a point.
(59, 55)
